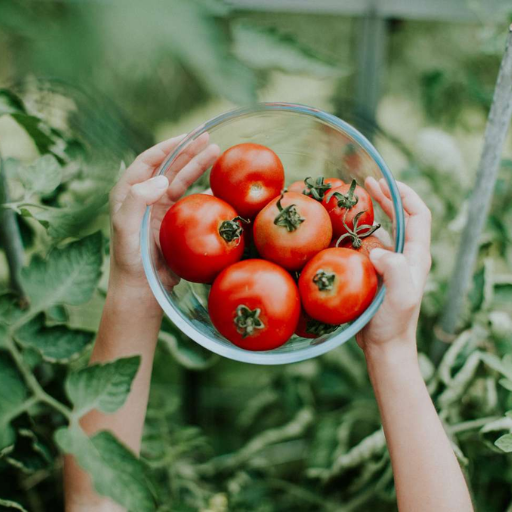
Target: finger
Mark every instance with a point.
(145, 164)
(373, 188)
(185, 156)
(396, 275)
(129, 216)
(417, 231)
(192, 171)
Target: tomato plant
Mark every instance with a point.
(337, 285)
(344, 203)
(200, 235)
(255, 304)
(291, 229)
(315, 189)
(247, 176)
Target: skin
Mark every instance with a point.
(190, 238)
(292, 249)
(337, 213)
(427, 475)
(351, 292)
(247, 176)
(367, 244)
(256, 284)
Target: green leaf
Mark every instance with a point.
(265, 48)
(67, 222)
(9, 309)
(57, 314)
(29, 453)
(42, 177)
(12, 504)
(13, 394)
(504, 443)
(69, 275)
(115, 471)
(102, 386)
(186, 352)
(506, 383)
(38, 131)
(10, 103)
(57, 344)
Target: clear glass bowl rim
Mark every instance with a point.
(271, 357)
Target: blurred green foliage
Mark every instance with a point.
(90, 83)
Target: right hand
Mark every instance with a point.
(404, 275)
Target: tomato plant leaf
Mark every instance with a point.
(69, 275)
(504, 443)
(102, 386)
(12, 504)
(10, 103)
(57, 314)
(186, 352)
(277, 51)
(29, 454)
(66, 222)
(13, 394)
(42, 177)
(57, 344)
(114, 469)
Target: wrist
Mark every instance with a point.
(132, 297)
(393, 353)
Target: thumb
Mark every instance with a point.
(140, 196)
(395, 272)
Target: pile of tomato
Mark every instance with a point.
(280, 261)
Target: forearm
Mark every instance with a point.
(427, 475)
(129, 326)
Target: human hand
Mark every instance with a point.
(135, 191)
(404, 275)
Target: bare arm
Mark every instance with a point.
(131, 317)
(427, 475)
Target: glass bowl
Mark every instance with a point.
(309, 142)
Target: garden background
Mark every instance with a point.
(87, 85)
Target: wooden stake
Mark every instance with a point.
(480, 202)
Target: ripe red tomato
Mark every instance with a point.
(367, 245)
(344, 203)
(200, 235)
(255, 304)
(291, 229)
(337, 285)
(247, 176)
(315, 188)
(310, 328)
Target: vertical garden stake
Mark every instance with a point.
(480, 202)
(10, 239)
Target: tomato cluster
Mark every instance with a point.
(280, 261)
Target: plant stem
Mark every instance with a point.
(472, 424)
(480, 203)
(10, 239)
(39, 393)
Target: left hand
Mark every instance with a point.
(135, 191)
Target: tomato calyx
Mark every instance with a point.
(319, 328)
(232, 229)
(324, 280)
(247, 320)
(348, 200)
(316, 189)
(288, 217)
(355, 235)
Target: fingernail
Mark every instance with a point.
(160, 181)
(376, 254)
